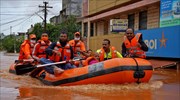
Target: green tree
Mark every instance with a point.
(70, 26)
(9, 41)
(38, 29)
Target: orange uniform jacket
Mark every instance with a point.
(39, 49)
(80, 45)
(132, 48)
(65, 52)
(113, 53)
(25, 50)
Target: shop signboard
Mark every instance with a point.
(169, 13)
(118, 25)
(163, 42)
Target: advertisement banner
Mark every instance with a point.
(163, 42)
(118, 25)
(169, 13)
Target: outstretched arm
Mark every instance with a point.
(124, 54)
(50, 48)
(143, 46)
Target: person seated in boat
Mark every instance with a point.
(26, 47)
(89, 58)
(108, 51)
(133, 45)
(60, 51)
(40, 46)
(78, 45)
(87, 53)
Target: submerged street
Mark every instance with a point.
(164, 85)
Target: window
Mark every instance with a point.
(143, 20)
(131, 21)
(106, 25)
(85, 29)
(92, 29)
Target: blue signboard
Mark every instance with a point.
(163, 42)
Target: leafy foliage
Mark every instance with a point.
(70, 26)
(11, 43)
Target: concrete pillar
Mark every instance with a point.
(82, 29)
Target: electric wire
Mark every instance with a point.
(24, 19)
(11, 21)
(21, 22)
(21, 6)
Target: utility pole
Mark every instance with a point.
(10, 30)
(14, 38)
(45, 13)
(14, 42)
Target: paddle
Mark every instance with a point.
(25, 63)
(39, 68)
(22, 69)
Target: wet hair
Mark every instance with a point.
(63, 32)
(107, 40)
(131, 29)
(29, 35)
(44, 33)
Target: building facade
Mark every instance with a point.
(69, 7)
(55, 20)
(142, 15)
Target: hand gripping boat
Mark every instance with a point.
(113, 71)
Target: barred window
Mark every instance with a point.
(143, 20)
(131, 19)
(92, 29)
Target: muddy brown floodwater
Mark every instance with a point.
(164, 85)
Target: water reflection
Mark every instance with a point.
(93, 92)
(164, 85)
(167, 76)
(8, 93)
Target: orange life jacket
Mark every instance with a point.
(65, 52)
(21, 53)
(102, 52)
(132, 48)
(86, 62)
(75, 46)
(41, 51)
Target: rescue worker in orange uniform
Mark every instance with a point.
(40, 46)
(78, 45)
(133, 45)
(108, 51)
(26, 47)
(60, 51)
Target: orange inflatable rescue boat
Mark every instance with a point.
(24, 66)
(113, 71)
(12, 68)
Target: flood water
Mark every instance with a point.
(164, 85)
